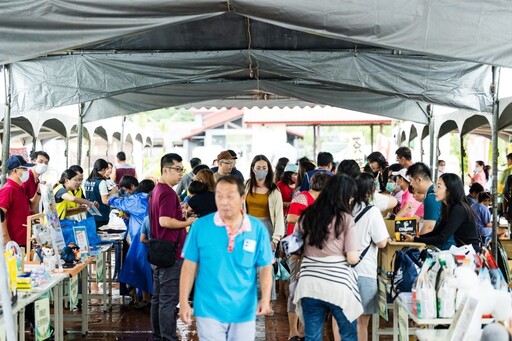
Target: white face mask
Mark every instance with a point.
(441, 168)
(41, 168)
(24, 176)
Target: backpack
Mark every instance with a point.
(407, 265)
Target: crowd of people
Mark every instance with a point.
(224, 232)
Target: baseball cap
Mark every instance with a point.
(291, 168)
(403, 173)
(225, 155)
(233, 154)
(16, 161)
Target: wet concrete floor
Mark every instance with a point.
(125, 322)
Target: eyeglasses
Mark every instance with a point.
(177, 169)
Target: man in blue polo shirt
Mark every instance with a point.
(421, 180)
(226, 249)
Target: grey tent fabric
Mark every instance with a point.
(43, 83)
(472, 30)
(192, 93)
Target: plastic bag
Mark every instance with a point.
(426, 293)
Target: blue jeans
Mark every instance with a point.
(166, 290)
(314, 312)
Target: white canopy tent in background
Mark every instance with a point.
(391, 58)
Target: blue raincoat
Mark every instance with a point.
(136, 270)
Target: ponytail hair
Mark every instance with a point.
(99, 165)
(68, 174)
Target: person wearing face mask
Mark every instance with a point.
(478, 174)
(14, 201)
(40, 160)
(287, 185)
(441, 167)
(263, 200)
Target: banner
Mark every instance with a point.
(73, 292)
(100, 267)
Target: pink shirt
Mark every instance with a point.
(346, 241)
(406, 198)
(480, 178)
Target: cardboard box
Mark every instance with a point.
(507, 245)
(385, 258)
(390, 226)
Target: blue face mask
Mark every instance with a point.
(390, 187)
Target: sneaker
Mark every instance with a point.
(141, 305)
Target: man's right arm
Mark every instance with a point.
(172, 223)
(5, 232)
(188, 274)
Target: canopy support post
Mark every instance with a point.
(122, 134)
(462, 155)
(431, 133)
(66, 153)
(495, 153)
(7, 122)
(5, 293)
(80, 137)
(371, 137)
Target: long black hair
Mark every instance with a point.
(99, 165)
(454, 196)
(281, 165)
(330, 207)
(365, 188)
(269, 179)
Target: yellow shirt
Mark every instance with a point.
(257, 205)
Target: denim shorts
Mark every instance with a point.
(369, 294)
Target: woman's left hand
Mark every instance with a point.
(407, 237)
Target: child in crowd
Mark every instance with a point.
(483, 215)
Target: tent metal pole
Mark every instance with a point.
(67, 151)
(371, 138)
(314, 142)
(495, 114)
(80, 137)
(7, 122)
(462, 154)
(122, 134)
(431, 133)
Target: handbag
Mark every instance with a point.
(162, 253)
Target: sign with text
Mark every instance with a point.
(383, 299)
(42, 318)
(73, 292)
(403, 324)
(100, 267)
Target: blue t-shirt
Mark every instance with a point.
(304, 186)
(225, 287)
(483, 217)
(432, 206)
(144, 228)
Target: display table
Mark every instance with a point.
(402, 312)
(27, 297)
(106, 295)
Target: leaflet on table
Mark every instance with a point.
(82, 241)
(94, 211)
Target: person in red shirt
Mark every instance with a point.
(14, 202)
(31, 187)
(287, 185)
